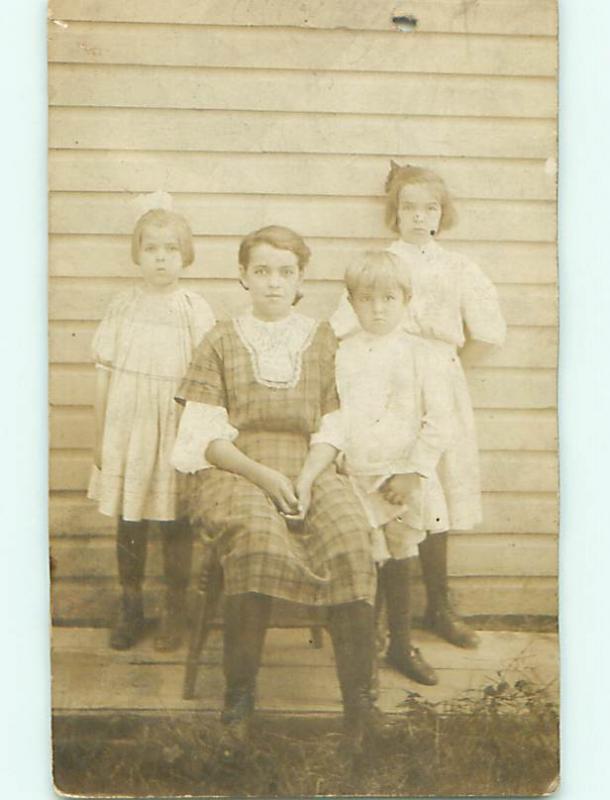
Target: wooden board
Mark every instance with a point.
(257, 132)
(470, 554)
(295, 678)
(84, 255)
(70, 343)
(71, 514)
(282, 48)
(293, 174)
(501, 471)
(135, 86)
(96, 599)
(72, 428)
(505, 17)
(529, 305)
(74, 385)
(222, 215)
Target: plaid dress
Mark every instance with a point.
(329, 561)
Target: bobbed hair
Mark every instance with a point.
(279, 237)
(410, 175)
(162, 218)
(377, 269)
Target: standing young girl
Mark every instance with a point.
(141, 350)
(455, 308)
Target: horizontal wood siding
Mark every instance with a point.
(253, 111)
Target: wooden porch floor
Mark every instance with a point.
(295, 678)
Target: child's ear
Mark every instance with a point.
(243, 277)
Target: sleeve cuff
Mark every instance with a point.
(330, 431)
(200, 425)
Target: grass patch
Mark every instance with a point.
(502, 740)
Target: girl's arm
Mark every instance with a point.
(225, 455)
(484, 323)
(101, 398)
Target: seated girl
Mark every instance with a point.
(257, 429)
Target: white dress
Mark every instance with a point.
(396, 421)
(146, 340)
(452, 299)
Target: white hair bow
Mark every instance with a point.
(146, 202)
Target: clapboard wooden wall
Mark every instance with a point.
(259, 112)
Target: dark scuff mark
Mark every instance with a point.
(405, 23)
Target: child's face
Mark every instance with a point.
(160, 257)
(419, 213)
(379, 310)
(273, 278)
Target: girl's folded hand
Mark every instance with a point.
(303, 492)
(280, 490)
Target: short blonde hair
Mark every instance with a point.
(398, 177)
(161, 218)
(378, 269)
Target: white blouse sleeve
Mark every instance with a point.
(481, 310)
(200, 425)
(331, 430)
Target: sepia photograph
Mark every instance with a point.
(303, 326)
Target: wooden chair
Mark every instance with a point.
(208, 592)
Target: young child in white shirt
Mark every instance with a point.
(395, 410)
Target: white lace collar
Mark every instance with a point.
(276, 348)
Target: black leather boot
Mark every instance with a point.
(352, 631)
(132, 540)
(395, 583)
(177, 549)
(440, 617)
(246, 617)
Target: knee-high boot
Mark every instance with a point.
(440, 616)
(395, 581)
(246, 617)
(131, 547)
(177, 549)
(352, 631)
